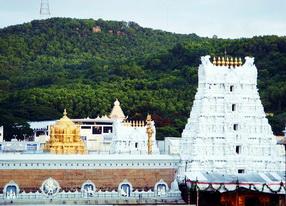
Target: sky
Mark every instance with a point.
(224, 18)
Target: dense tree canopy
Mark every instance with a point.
(49, 65)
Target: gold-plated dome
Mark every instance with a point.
(65, 121)
(65, 137)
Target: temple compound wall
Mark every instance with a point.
(23, 173)
(72, 179)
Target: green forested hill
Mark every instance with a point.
(49, 65)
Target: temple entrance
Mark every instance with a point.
(240, 197)
(252, 201)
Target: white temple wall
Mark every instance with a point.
(1, 133)
(133, 140)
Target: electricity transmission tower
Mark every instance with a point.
(45, 8)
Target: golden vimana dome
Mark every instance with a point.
(65, 138)
(65, 121)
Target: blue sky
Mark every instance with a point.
(225, 18)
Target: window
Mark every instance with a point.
(231, 88)
(97, 130)
(107, 129)
(38, 133)
(104, 123)
(86, 127)
(31, 147)
(235, 127)
(238, 149)
(136, 144)
(240, 171)
(233, 107)
(86, 123)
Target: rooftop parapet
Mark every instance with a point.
(229, 62)
(134, 123)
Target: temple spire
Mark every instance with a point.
(65, 112)
(116, 112)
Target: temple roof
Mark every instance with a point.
(41, 124)
(269, 182)
(117, 112)
(64, 121)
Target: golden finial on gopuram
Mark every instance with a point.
(240, 61)
(214, 61)
(235, 62)
(65, 112)
(218, 61)
(227, 61)
(231, 62)
(222, 61)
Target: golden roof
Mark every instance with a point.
(117, 112)
(64, 121)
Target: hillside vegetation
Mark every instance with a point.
(83, 65)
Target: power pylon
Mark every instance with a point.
(45, 8)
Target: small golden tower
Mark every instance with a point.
(149, 132)
(65, 138)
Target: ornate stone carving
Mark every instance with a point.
(50, 187)
(150, 132)
(11, 190)
(161, 188)
(125, 188)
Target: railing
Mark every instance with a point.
(106, 195)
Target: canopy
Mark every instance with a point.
(270, 182)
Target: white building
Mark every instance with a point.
(41, 130)
(227, 131)
(18, 146)
(106, 134)
(172, 145)
(1, 133)
(132, 138)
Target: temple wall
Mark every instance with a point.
(74, 178)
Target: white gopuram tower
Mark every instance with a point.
(227, 131)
